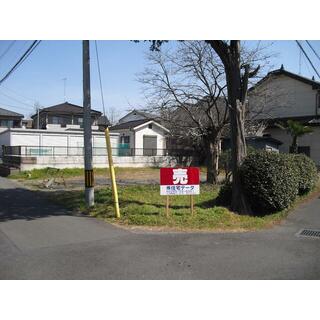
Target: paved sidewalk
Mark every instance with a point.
(40, 240)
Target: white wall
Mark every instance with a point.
(311, 140)
(101, 162)
(59, 140)
(4, 140)
(282, 96)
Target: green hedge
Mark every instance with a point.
(307, 172)
(270, 181)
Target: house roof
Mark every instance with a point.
(135, 124)
(9, 113)
(140, 112)
(282, 71)
(306, 120)
(103, 121)
(260, 138)
(66, 108)
(129, 124)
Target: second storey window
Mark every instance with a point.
(318, 100)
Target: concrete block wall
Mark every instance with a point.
(61, 162)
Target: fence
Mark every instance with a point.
(36, 151)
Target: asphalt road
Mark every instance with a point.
(39, 240)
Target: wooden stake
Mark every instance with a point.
(167, 206)
(191, 204)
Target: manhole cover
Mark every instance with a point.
(310, 233)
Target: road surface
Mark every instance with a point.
(40, 240)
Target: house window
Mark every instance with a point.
(318, 99)
(125, 139)
(150, 126)
(6, 123)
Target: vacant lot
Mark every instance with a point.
(141, 204)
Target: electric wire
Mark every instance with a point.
(314, 51)
(300, 46)
(21, 60)
(8, 48)
(20, 94)
(100, 81)
(14, 99)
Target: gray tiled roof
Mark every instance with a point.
(66, 108)
(8, 113)
(129, 124)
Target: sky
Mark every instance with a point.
(40, 78)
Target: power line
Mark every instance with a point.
(300, 46)
(104, 111)
(11, 106)
(8, 48)
(19, 94)
(314, 51)
(21, 60)
(16, 100)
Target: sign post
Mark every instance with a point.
(179, 181)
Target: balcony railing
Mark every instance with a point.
(54, 151)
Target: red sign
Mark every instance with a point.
(179, 181)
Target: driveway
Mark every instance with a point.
(40, 240)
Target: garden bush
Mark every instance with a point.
(307, 172)
(270, 181)
(225, 194)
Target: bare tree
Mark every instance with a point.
(113, 115)
(187, 88)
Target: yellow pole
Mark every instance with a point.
(112, 175)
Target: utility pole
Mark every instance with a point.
(38, 118)
(37, 107)
(88, 169)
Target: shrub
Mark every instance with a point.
(225, 194)
(307, 172)
(270, 181)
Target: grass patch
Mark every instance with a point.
(143, 206)
(45, 173)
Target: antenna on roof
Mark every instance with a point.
(282, 67)
(64, 89)
(312, 78)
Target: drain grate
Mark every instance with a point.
(309, 233)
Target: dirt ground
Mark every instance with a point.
(134, 177)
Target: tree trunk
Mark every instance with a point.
(294, 146)
(237, 86)
(213, 160)
(238, 142)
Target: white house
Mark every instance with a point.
(140, 135)
(283, 95)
